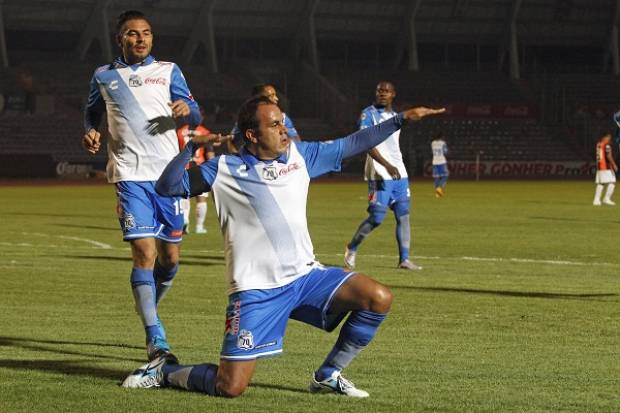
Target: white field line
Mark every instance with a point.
(516, 260)
(97, 244)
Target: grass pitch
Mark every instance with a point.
(517, 308)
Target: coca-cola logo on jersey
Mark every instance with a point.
(156, 81)
(288, 169)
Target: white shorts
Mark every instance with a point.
(605, 177)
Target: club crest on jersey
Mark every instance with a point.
(135, 81)
(270, 173)
(245, 341)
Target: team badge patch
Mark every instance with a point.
(128, 221)
(233, 316)
(245, 341)
(270, 173)
(135, 81)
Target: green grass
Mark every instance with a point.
(517, 308)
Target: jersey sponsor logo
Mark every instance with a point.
(233, 316)
(269, 344)
(156, 81)
(270, 173)
(135, 81)
(245, 341)
(289, 168)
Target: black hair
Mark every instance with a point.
(258, 89)
(387, 81)
(247, 113)
(125, 16)
(438, 135)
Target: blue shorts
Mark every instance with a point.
(387, 193)
(440, 170)
(256, 319)
(143, 213)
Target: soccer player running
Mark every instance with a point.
(142, 98)
(439, 149)
(606, 169)
(260, 196)
(388, 186)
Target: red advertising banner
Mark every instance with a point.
(518, 169)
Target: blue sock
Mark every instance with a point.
(164, 280)
(362, 232)
(403, 229)
(355, 335)
(143, 288)
(437, 182)
(198, 378)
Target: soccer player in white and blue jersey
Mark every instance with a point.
(260, 196)
(440, 164)
(388, 185)
(142, 97)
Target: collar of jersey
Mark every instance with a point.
(380, 110)
(251, 160)
(120, 62)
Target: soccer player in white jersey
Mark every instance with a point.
(439, 149)
(142, 98)
(388, 186)
(260, 196)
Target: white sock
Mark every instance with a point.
(610, 192)
(598, 193)
(186, 206)
(201, 214)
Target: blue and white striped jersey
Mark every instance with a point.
(261, 207)
(136, 99)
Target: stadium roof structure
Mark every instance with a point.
(300, 24)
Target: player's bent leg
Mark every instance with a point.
(369, 302)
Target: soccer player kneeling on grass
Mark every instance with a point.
(260, 195)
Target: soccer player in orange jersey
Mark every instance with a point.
(606, 169)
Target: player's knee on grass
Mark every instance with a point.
(377, 214)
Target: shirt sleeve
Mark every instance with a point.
(290, 127)
(321, 157)
(208, 170)
(180, 90)
(95, 106)
(366, 120)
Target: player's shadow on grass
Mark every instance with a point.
(523, 294)
(182, 262)
(278, 387)
(572, 219)
(115, 228)
(72, 367)
(56, 346)
(52, 215)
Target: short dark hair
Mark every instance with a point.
(387, 81)
(247, 113)
(125, 16)
(258, 89)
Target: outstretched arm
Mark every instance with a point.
(365, 139)
(175, 180)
